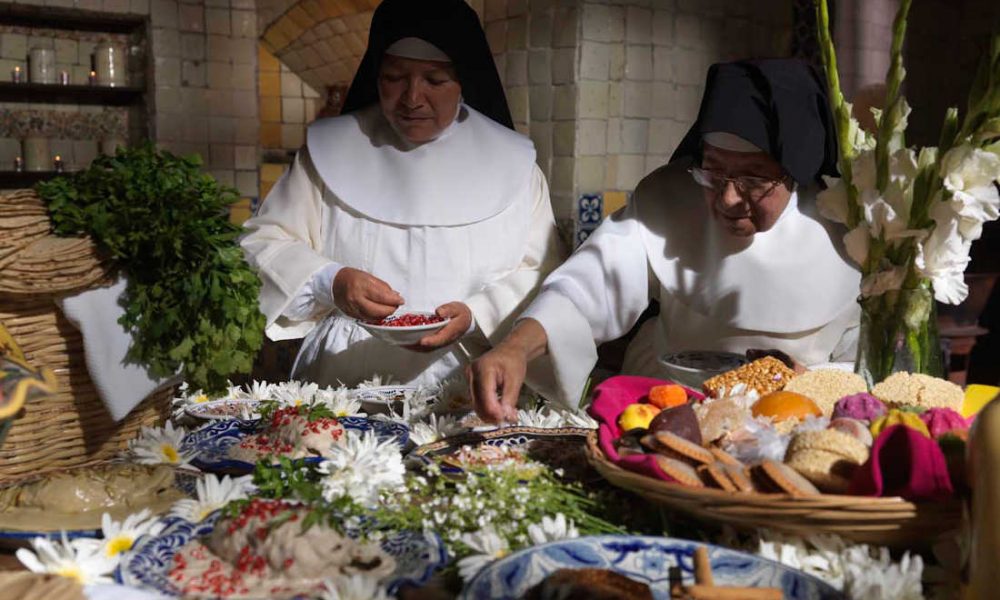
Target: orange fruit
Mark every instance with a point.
(667, 396)
(785, 405)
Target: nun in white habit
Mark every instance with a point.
(419, 197)
(726, 237)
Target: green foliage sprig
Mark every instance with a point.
(192, 300)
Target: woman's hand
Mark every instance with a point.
(461, 320)
(495, 378)
(363, 296)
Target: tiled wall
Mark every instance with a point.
(329, 52)
(287, 105)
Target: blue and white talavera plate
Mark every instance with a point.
(211, 443)
(642, 558)
(185, 481)
(147, 566)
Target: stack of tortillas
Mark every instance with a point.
(32, 260)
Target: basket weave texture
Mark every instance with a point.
(893, 522)
(72, 427)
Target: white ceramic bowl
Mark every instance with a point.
(693, 367)
(404, 336)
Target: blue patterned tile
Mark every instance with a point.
(589, 208)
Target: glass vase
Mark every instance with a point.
(899, 332)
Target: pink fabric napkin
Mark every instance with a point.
(906, 463)
(610, 399)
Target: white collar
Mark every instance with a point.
(471, 172)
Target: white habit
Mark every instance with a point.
(465, 217)
(789, 288)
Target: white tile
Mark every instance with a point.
(637, 100)
(66, 50)
(663, 28)
(563, 65)
(687, 31)
(292, 110)
(614, 135)
(244, 24)
(292, 136)
(540, 66)
(246, 183)
(516, 7)
(217, 20)
(540, 102)
(661, 136)
(224, 176)
(138, 7)
(244, 51)
(638, 24)
(616, 99)
(563, 138)
(517, 99)
(565, 27)
(193, 74)
(590, 174)
(541, 135)
(14, 46)
(617, 62)
(193, 46)
(192, 17)
(495, 10)
(167, 71)
(593, 100)
(663, 63)
(244, 77)
(688, 102)
(496, 35)
(639, 63)
(595, 60)
(564, 102)
(222, 156)
(540, 31)
(635, 134)
(631, 169)
(655, 161)
(291, 85)
(246, 131)
(163, 13)
(220, 75)
(517, 33)
(591, 137)
(663, 100)
(562, 175)
(166, 42)
(602, 23)
(688, 66)
(517, 68)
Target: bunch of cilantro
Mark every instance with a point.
(192, 300)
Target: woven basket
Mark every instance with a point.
(890, 522)
(72, 427)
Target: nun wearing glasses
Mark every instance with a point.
(419, 197)
(726, 237)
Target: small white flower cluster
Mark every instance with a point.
(361, 468)
(340, 400)
(550, 418)
(89, 561)
(860, 571)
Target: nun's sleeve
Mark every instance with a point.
(495, 307)
(595, 296)
(282, 244)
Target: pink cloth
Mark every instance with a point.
(904, 462)
(610, 399)
(940, 421)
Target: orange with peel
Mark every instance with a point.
(667, 396)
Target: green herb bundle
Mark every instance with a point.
(191, 300)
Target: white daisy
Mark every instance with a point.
(294, 393)
(258, 390)
(552, 530)
(487, 546)
(213, 493)
(539, 417)
(360, 467)
(186, 398)
(156, 445)
(355, 587)
(120, 537)
(341, 402)
(80, 559)
(577, 419)
(375, 381)
(433, 429)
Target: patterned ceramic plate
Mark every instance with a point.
(645, 559)
(224, 409)
(185, 481)
(211, 443)
(148, 565)
(561, 442)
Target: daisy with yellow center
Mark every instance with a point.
(82, 559)
(212, 494)
(157, 445)
(120, 537)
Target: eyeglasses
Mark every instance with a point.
(750, 187)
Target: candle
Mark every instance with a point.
(18, 164)
(17, 75)
(93, 77)
(58, 163)
(64, 77)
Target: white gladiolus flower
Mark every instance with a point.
(883, 281)
(857, 242)
(552, 530)
(487, 546)
(864, 171)
(969, 174)
(859, 138)
(433, 429)
(80, 559)
(354, 587)
(212, 494)
(120, 537)
(361, 467)
(943, 256)
(157, 445)
(832, 202)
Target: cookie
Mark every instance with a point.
(673, 445)
(680, 471)
(785, 479)
(715, 475)
(829, 472)
(724, 457)
(740, 476)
